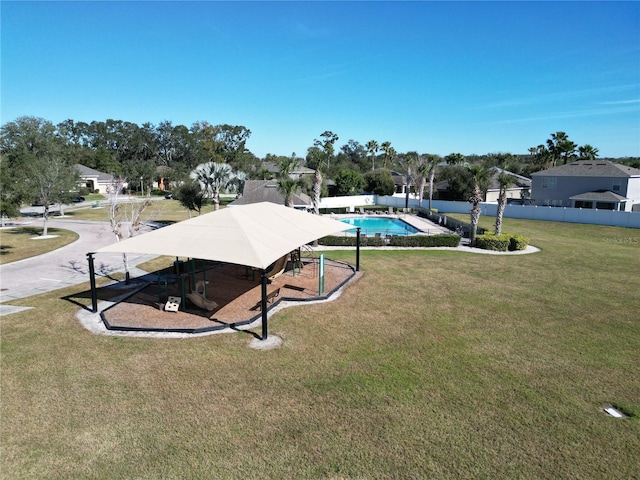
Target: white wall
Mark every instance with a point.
(554, 214)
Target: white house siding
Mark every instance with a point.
(633, 192)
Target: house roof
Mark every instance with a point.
(254, 235)
(590, 168)
(519, 180)
(267, 191)
(86, 172)
(599, 196)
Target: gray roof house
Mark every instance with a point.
(519, 189)
(95, 181)
(597, 184)
(256, 191)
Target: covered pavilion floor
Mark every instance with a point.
(236, 289)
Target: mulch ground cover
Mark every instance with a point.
(235, 288)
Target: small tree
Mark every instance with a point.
(51, 178)
(125, 218)
(190, 196)
(349, 182)
(380, 182)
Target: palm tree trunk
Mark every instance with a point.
(432, 175)
(317, 190)
(502, 203)
(475, 200)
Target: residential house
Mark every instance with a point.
(93, 180)
(600, 184)
(520, 188)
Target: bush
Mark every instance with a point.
(502, 242)
(498, 243)
(518, 242)
(444, 240)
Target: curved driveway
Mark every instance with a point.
(65, 266)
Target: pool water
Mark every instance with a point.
(382, 225)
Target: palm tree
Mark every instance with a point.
(587, 152)
(560, 147)
(287, 185)
(214, 177)
(389, 153)
(455, 159)
(422, 172)
(542, 157)
(372, 148)
(479, 175)
(505, 180)
(432, 162)
(327, 145)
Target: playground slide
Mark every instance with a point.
(201, 301)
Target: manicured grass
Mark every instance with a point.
(22, 242)
(160, 210)
(435, 364)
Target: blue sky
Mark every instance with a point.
(436, 77)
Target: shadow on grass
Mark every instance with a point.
(32, 231)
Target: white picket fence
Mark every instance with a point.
(554, 214)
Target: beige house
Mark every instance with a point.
(93, 180)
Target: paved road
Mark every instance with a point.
(65, 266)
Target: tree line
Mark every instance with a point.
(34, 152)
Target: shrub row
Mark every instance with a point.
(502, 243)
(445, 240)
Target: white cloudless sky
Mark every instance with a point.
(435, 77)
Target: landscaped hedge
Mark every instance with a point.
(499, 243)
(332, 241)
(445, 240)
(518, 242)
(502, 243)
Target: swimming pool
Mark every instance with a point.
(382, 225)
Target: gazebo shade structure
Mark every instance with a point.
(254, 235)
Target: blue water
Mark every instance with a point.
(381, 225)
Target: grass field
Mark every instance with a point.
(435, 364)
(24, 242)
(160, 210)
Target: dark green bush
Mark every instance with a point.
(444, 240)
(518, 242)
(502, 242)
(499, 243)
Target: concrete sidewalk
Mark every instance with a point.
(64, 267)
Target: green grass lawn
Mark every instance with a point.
(435, 364)
(23, 242)
(160, 210)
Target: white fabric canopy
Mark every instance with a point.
(255, 235)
